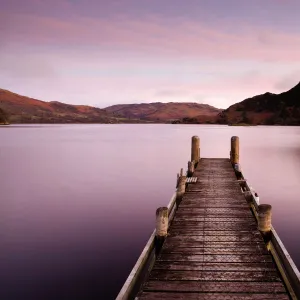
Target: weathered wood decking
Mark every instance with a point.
(213, 249)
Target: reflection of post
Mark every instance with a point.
(235, 149)
(162, 223)
(195, 153)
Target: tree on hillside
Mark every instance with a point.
(3, 117)
(245, 119)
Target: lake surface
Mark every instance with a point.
(78, 201)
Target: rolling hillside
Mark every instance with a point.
(20, 109)
(164, 112)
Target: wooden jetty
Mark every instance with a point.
(213, 241)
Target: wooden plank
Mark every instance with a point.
(213, 186)
(211, 244)
(287, 267)
(214, 211)
(223, 175)
(137, 269)
(216, 232)
(191, 179)
(210, 250)
(231, 258)
(210, 221)
(211, 227)
(209, 296)
(214, 192)
(193, 219)
(215, 219)
(213, 204)
(169, 275)
(196, 197)
(211, 213)
(229, 211)
(205, 229)
(210, 238)
(201, 266)
(218, 211)
(213, 286)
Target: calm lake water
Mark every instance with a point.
(78, 201)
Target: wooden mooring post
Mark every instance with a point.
(180, 189)
(195, 153)
(235, 150)
(264, 219)
(162, 224)
(191, 168)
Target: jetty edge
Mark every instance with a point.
(213, 240)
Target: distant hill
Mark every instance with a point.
(266, 109)
(164, 112)
(20, 109)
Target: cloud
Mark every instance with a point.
(150, 36)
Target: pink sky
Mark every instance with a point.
(125, 52)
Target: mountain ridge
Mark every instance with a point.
(22, 109)
(265, 109)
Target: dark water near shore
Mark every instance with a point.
(78, 201)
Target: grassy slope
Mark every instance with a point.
(163, 111)
(28, 110)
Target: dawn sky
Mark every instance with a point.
(109, 52)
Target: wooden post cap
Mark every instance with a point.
(264, 218)
(162, 221)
